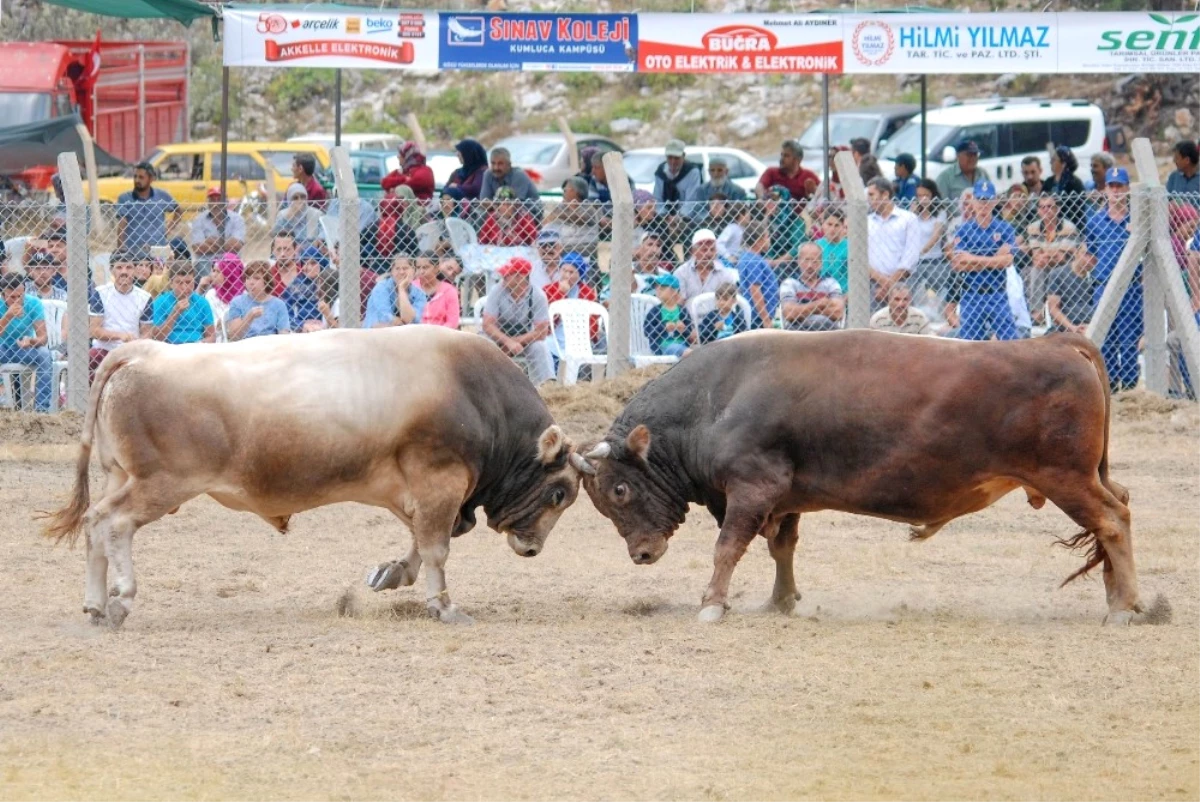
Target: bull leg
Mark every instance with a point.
(782, 544)
(391, 575)
(436, 510)
(926, 531)
(737, 532)
(95, 597)
(120, 553)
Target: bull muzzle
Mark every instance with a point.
(647, 551)
(524, 547)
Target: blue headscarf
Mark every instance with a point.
(577, 261)
(474, 157)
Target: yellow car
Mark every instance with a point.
(187, 170)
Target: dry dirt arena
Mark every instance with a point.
(258, 666)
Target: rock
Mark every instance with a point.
(694, 116)
(532, 100)
(747, 125)
(1184, 119)
(1171, 134)
(1005, 81)
(625, 125)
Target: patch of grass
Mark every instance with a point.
(662, 82)
(582, 85)
(645, 109)
(458, 112)
(296, 88)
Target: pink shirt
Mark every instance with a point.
(442, 307)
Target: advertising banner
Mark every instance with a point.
(1130, 42)
(539, 42)
(309, 37)
(742, 43)
(951, 43)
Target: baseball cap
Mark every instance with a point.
(967, 146)
(549, 236)
(703, 235)
(984, 190)
(515, 265)
(213, 192)
(664, 281)
(313, 254)
(41, 259)
(1117, 175)
(674, 147)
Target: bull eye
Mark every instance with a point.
(557, 497)
(620, 490)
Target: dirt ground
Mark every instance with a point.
(258, 666)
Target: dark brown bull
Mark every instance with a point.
(765, 426)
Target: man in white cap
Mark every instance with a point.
(703, 272)
(675, 180)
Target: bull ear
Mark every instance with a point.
(638, 441)
(551, 444)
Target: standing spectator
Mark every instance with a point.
(23, 336)
(648, 261)
(577, 219)
(503, 175)
(675, 179)
(116, 311)
(396, 300)
(668, 326)
(298, 292)
(893, 241)
(964, 174)
(1031, 175)
(810, 302)
(509, 223)
(40, 271)
(516, 317)
(142, 212)
(1069, 298)
(725, 319)
(1106, 233)
(983, 250)
(468, 179)
(441, 306)
(932, 271)
(412, 173)
(1053, 241)
(791, 174)
(835, 249)
(907, 179)
(1066, 185)
(860, 148)
(1185, 179)
(304, 173)
(180, 315)
(899, 316)
(757, 282)
(1100, 164)
(257, 312)
(703, 272)
(788, 230)
(297, 218)
(719, 183)
(216, 231)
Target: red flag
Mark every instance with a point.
(92, 68)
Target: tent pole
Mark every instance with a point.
(337, 107)
(924, 146)
(825, 130)
(224, 128)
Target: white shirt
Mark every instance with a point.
(691, 285)
(729, 243)
(893, 242)
(121, 312)
(1015, 289)
(204, 227)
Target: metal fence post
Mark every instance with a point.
(859, 314)
(77, 283)
(349, 267)
(1154, 297)
(620, 266)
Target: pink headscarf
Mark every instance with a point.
(230, 267)
(410, 155)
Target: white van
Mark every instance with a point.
(1006, 132)
(354, 141)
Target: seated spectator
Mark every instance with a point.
(906, 179)
(668, 326)
(598, 190)
(226, 283)
(757, 281)
(550, 252)
(441, 308)
(731, 235)
(1051, 243)
(503, 175)
(412, 173)
(315, 267)
(791, 175)
(516, 317)
(23, 337)
(508, 224)
(788, 231)
(449, 269)
(726, 319)
(300, 293)
(1183, 220)
(568, 283)
(468, 179)
(899, 316)
(41, 270)
(810, 302)
(116, 311)
(719, 184)
(577, 219)
(1017, 211)
(257, 312)
(54, 242)
(395, 300)
(1185, 179)
(648, 262)
(215, 231)
(297, 218)
(703, 272)
(1069, 298)
(645, 217)
(179, 315)
(400, 215)
(835, 248)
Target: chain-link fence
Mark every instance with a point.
(533, 273)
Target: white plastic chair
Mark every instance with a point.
(461, 233)
(640, 353)
(100, 265)
(14, 248)
(575, 315)
(705, 302)
(56, 314)
(428, 235)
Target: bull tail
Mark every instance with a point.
(67, 522)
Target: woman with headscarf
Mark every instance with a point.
(1067, 186)
(413, 172)
(468, 179)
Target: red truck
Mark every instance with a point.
(132, 96)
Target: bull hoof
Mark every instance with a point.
(116, 613)
(95, 615)
(712, 614)
(450, 615)
(388, 576)
(1119, 618)
(786, 605)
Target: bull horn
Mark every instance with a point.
(601, 451)
(580, 464)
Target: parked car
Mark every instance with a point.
(188, 169)
(876, 124)
(354, 141)
(545, 156)
(744, 169)
(1006, 132)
